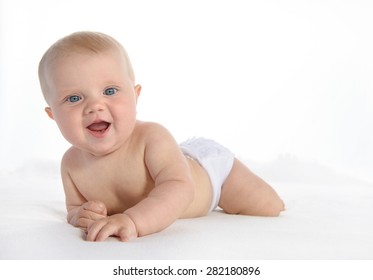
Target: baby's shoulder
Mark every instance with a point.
(149, 127)
(151, 130)
(71, 157)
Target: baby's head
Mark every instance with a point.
(89, 85)
(84, 42)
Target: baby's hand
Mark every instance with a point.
(120, 225)
(84, 215)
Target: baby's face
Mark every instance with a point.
(93, 100)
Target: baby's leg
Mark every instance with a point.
(245, 193)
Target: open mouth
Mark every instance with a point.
(98, 129)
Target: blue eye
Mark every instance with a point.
(110, 91)
(73, 98)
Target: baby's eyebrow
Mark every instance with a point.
(112, 82)
(69, 91)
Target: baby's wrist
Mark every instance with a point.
(135, 232)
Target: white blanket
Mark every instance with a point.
(328, 216)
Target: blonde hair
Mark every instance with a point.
(81, 42)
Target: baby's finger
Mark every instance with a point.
(85, 214)
(92, 215)
(125, 235)
(105, 232)
(95, 206)
(82, 222)
(94, 229)
(111, 229)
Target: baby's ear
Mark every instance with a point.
(49, 112)
(138, 90)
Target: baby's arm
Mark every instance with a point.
(80, 212)
(172, 194)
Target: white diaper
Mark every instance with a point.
(214, 158)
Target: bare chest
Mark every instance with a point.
(118, 184)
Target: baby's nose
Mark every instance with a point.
(94, 106)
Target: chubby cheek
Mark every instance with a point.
(69, 126)
(125, 112)
(128, 119)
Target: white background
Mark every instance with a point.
(266, 78)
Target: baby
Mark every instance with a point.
(124, 177)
